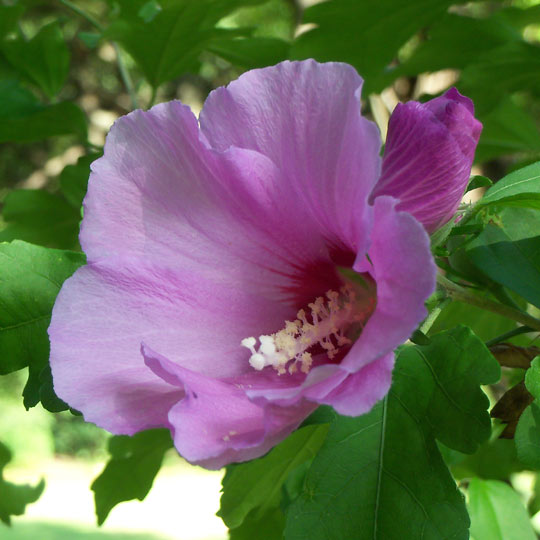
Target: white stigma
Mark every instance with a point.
(330, 318)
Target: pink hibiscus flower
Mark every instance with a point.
(217, 300)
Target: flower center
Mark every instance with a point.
(330, 318)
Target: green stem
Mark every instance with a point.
(124, 73)
(126, 78)
(432, 317)
(152, 97)
(507, 335)
(456, 292)
(82, 13)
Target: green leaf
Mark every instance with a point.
(40, 217)
(485, 325)
(30, 280)
(497, 512)
(512, 67)
(44, 59)
(519, 188)
(14, 498)
(508, 128)
(383, 472)
(129, 474)
(49, 400)
(9, 15)
(534, 502)
(478, 181)
(496, 459)
(267, 527)
(532, 378)
(527, 436)
(365, 34)
(457, 362)
(168, 44)
(24, 119)
(508, 251)
(256, 486)
(74, 179)
(251, 53)
(447, 44)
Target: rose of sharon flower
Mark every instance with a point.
(217, 300)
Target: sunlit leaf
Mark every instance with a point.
(30, 280)
(257, 485)
(497, 512)
(383, 470)
(130, 472)
(508, 251)
(13, 497)
(519, 188)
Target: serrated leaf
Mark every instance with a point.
(24, 119)
(508, 251)
(129, 474)
(457, 363)
(169, 43)
(497, 513)
(29, 283)
(256, 486)
(382, 474)
(44, 59)
(40, 217)
(13, 497)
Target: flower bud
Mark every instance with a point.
(428, 156)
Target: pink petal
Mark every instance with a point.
(160, 192)
(358, 393)
(402, 266)
(215, 423)
(428, 156)
(306, 118)
(106, 309)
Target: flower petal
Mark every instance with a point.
(358, 393)
(215, 423)
(305, 117)
(160, 192)
(403, 269)
(428, 156)
(106, 309)
(402, 266)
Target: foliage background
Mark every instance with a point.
(68, 70)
